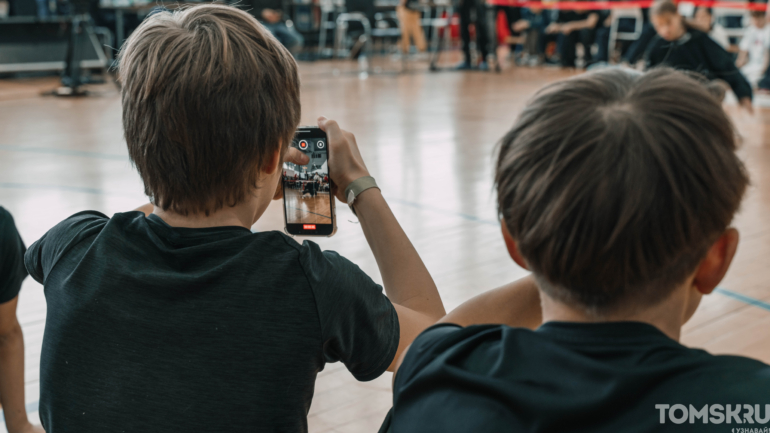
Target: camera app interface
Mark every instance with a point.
(306, 190)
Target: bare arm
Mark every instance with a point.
(12, 370)
(743, 58)
(407, 282)
(516, 304)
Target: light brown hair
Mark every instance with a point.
(615, 185)
(208, 96)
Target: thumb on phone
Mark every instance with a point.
(296, 156)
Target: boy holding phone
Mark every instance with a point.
(617, 191)
(179, 318)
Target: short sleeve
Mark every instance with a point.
(423, 351)
(359, 325)
(12, 272)
(43, 255)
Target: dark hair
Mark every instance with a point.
(757, 13)
(208, 96)
(615, 185)
(661, 7)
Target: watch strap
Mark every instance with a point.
(357, 187)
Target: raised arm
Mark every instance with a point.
(407, 282)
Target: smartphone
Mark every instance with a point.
(308, 203)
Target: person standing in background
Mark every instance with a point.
(270, 14)
(409, 23)
(12, 274)
(482, 38)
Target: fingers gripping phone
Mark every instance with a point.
(308, 202)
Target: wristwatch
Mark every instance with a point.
(357, 187)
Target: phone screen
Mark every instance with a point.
(308, 203)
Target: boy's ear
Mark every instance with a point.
(513, 248)
(714, 266)
(273, 163)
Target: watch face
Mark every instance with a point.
(351, 197)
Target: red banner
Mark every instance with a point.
(599, 5)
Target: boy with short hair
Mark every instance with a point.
(617, 191)
(179, 318)
(12, 274)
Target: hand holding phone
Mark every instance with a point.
(345, 161)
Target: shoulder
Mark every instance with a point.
(318, 263)
(7, 225)
(700, 372)
(700, 37)
(446, 340)
(43, 255)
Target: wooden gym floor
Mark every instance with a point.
(304, 209)
(427, 138)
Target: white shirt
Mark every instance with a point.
(756, 42)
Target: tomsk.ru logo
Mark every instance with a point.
(715, 414)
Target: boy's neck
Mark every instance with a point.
(240, 215)
(668, 316)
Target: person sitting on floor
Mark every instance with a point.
(573, 26)
(681, 46)
(270, 14)
(617, 189)
(176, 317)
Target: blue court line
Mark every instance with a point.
(743, 298)
(423, 207)
(64, 152)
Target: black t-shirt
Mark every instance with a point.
(568, 377)
(12, 249)
(570, 15)
(153, 328)
(696, 51)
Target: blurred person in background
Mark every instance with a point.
(753, 55)
(573, 26)
(482, 36)
(682, 46)
(270, 14)
(409, 17)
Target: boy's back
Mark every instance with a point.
(617, 190)
(577, 377)
(157, 328)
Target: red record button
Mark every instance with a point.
(303, 144)
(308, 226)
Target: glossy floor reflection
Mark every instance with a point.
(427, 138)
